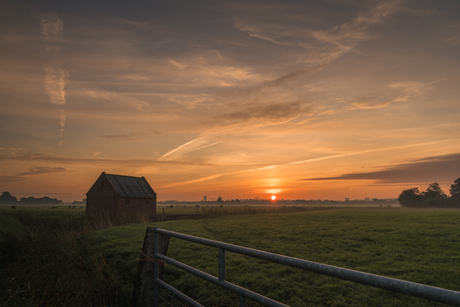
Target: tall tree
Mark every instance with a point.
(455, 189)
(434, 191)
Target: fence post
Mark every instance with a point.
(143, 295)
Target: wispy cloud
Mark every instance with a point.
(272, 113)
(33, 171)
(272, 84)
(362, 102)
(51, 26)
(23, 155)
(8, 179)
(348, 34)
(40, 170)
(272, 33)
(402, 91)
(130, 137)
(178, 65)
(327, 45)
(451, 35)
(412, 86)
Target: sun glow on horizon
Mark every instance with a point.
(273, 197)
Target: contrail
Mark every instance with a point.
(428, 83)
(190, 146)
(297, 162)
(55, 76)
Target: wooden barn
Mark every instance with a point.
(121, 195)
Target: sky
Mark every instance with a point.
(238, 99)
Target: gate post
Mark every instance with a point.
(143, 295)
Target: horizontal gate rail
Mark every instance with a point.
(436, 294)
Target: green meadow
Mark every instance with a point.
(60, 259)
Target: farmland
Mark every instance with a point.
(418, 245)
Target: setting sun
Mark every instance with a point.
(273, 197)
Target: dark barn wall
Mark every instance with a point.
(145, 206)
(101, 197)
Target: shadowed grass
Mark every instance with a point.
(69, 262)
(415, 245)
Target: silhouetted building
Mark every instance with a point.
(121, 195)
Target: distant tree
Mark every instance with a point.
(434, 191)
(39, 201)
(455, 189)
(219, 199)
(410, 198)
(7, 198)
(28, 200)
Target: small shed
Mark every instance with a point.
(120, 195)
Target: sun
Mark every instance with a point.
(273, 197)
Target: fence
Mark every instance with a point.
(154, 256)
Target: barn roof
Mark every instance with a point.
(134, 187)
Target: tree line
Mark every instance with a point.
(433, 196)
(7, 199)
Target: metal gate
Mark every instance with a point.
(154, 253)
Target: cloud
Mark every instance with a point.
(178, 65)
(363, 102)
(344, 38)
(40, 170)
(271, 113)
(55, 81)
(271, 84)
(33, 171)
(403, 90)
(451, 35)
(412, 86)
(320, 46)
(130, 137)
(51, 26)
(271, 33)
(8, 179)
(429, 169)
(22, 155)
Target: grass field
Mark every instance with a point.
(419, 245)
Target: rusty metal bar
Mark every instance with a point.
(436, 294)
